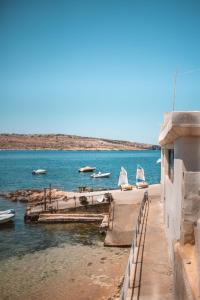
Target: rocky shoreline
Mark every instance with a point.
(37, 195)
(34, 195)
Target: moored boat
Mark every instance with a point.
(87, 169)
(9, 211)
(140, 178)
(4, 218)
(123, 177)
(101, 175)
(123, 180)
(39, 172)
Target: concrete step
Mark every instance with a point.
(65, 218)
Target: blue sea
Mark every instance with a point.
(19, 242)
(62, 167)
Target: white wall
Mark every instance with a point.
(173, 192)
(186, 158)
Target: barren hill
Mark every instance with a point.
(66, 142)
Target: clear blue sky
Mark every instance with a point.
(97, 68)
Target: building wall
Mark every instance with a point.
(188, 150)
(191, 206)
(172, 194)
(180, 201)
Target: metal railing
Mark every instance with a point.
(48, 202)
(129, 283)
(111, 215)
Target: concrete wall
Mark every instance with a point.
(183, 289)
(172, 195)
(197, 247)
(187, 149)
(191, 206)
(180, 196)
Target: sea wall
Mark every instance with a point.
(186, 272)
(182, 288)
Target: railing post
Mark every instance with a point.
(50, 193)
(45, 200)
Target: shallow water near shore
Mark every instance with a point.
(62, 261)
(64, 272)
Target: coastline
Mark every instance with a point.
(47, 262)
(67, 142)
(82, 149)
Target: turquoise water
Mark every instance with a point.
(62, 166)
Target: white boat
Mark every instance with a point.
(39, 171)
(9, 211)
(140, 178)
(87, 169)
(100, 175)
(4, 218)
(158, 161)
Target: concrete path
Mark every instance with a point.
(156, 279)
(124, 215)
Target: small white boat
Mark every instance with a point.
(158, 161)
(5, 212)
(101, 175)
(87, 169)
(4, 218)
(39, 172)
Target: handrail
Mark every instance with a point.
(131, 269)
(111, 215)
(75, 197)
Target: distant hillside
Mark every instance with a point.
(66, 142)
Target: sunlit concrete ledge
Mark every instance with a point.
(177, 124)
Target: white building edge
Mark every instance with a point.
(180, 180)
